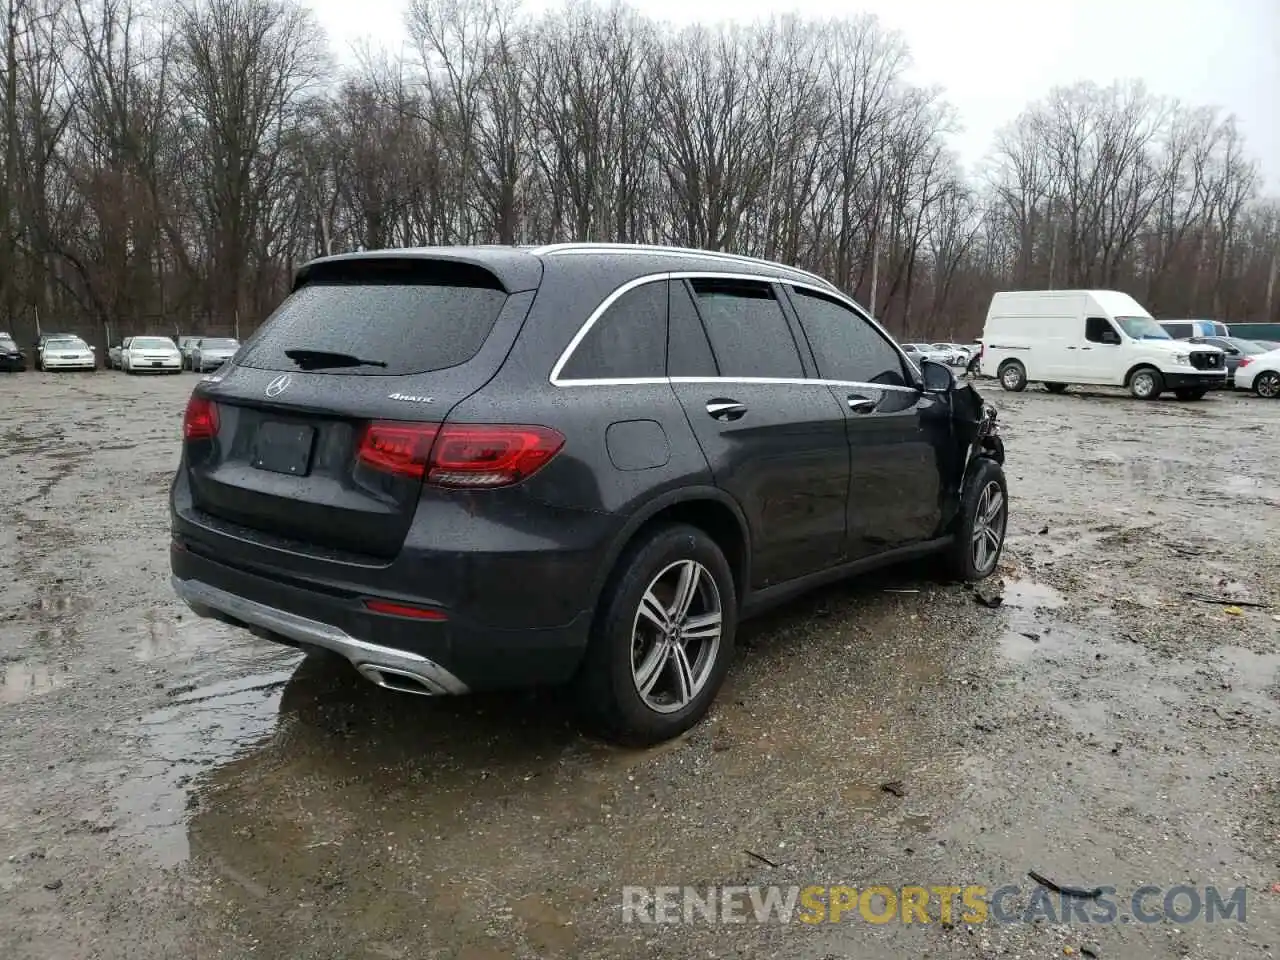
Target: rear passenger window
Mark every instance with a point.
(629, 340)
(688, 352)
(845, 346)
(747, 329)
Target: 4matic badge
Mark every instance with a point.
(409, 398)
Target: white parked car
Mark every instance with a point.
(928, 351)
(1061, 337)
(948, 352)
(1261, 374)
(209, 353)
(159, 354)
(66, 353)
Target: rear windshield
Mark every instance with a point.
(378, 328)
(6, 343)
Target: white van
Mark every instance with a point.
(1060, 337)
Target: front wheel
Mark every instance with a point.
(1190, 393)
(1267, 384)
(981, 523)
(662, 640)
(1146, 383)
(1013, 376)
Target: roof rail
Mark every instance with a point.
(585, 247)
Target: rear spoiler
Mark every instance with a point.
(501, 268)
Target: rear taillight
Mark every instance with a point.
(201, 419)
(471, 455)
(459, 455)
(399, 448)
(1245, 361)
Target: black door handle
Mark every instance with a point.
(861, 404)
(723, 409)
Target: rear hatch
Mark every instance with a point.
(362, 340)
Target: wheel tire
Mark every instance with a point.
(1190, 393)
(607, 690)
(1056, 387)
(1145, 383)
(985, 479)
(1013, 376)
(1267, 384)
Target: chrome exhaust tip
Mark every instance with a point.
(394, 678)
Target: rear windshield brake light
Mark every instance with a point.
(463, 455)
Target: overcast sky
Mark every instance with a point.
(993, 56)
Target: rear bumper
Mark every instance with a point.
(373, 660)
(453, 655)
(1207, 381)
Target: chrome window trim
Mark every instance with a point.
(565, 355)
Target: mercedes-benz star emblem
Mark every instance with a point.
(279, 385)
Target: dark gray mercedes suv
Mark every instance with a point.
(470, 468)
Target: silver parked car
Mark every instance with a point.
(209, 353)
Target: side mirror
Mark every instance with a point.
(93, 348)
(938, 377)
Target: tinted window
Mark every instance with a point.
(845, 346)
(688, 352)
(409, 327)
(628, 340)
(1178, 331)
(1099, 330)
(747, 329)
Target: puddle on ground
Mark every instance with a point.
(20, 681)
(205, 726)
(1249, 489)
(385, 812)
(57, 603)
(1249, 671)
(1029, 595)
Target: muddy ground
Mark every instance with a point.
(171, 787)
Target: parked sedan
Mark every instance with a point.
(66, 353)
(209, 353)
(927, 351)
(1236, 350)
(156, 354)
(1260, 373)
(11, 358)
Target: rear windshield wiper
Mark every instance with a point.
(328, 359)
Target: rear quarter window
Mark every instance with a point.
(627, 341)
(401, 325)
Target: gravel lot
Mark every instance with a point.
(170, 787)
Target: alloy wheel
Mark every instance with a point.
(1268, 385)
(675, 637)
(988, 528)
